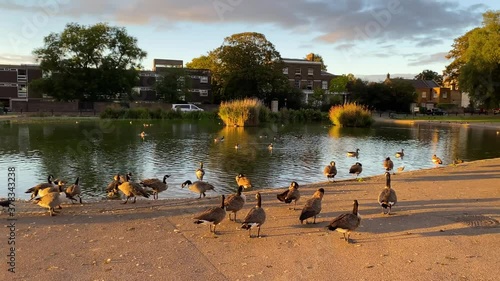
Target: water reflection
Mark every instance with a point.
(96, 150)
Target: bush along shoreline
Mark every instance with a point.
(350, 115)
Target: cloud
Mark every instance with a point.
(425, 60)
(16, 59)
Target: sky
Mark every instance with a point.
(368, 38)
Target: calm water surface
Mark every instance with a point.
(95, 150)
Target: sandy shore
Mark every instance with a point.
(445, 227)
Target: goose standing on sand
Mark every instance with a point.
(198, 186)
(330, 171)
(74, 190)
(156, 185)
(34, 190)
(291, 194)
(400, 154)
(357, 168)
(212, 216)
(112, 188)
(132, 189)
(353, 153)
(346, 223)
(50, 201)
(59, 187)
(388, 164)
(313, 206)
(387, 198)
(242, 180)
(234, 202)
(255, 217)
(200, 172)
(436, 160)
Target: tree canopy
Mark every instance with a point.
(90, 63)
(476, 61)
(396, 96)
(317, 58)
(172, 84)
(430, 75)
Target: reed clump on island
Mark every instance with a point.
(241, 113)
(350, 115)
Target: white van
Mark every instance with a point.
(186, 107)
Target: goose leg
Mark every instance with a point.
(389, 212)
(126, 200)
(79, 197)
(204, 195)
(134, 199)
(250, 232)
(314, 220)
(258, 231)
(214, 229)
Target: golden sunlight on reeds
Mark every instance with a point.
(350, 115)
(240, 113)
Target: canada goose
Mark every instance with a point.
(156, 185)
(313, 206)
(59, 187)
(34, 190)
(234, 202)
(458, 161)
(241, 179)
(255, 217)
(132, 189)
(49, 201)
(6, 203)
(142, 134)
(221, 139)
(212, 216)
(387, 198)
(237, 146)
(291, 194)
(402, 168)
(198, 186)
(400, 154)
(112, 188)
(436, 160)
(330, 171)
(74, 190)
(200, 172)
(270, 146)
(357, 168)
(353, 153)
(346, 223)
(388, 164)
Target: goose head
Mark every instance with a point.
(188, 183)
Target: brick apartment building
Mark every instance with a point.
(14, 83)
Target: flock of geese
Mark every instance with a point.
(52, 193)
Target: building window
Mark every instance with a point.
(324, 85)
(310, 71)
(445, 95)
(298, 71)
(203, 93)
(424, 95)
(297, 83)
(203, 79)
(434, 94)
(309, 84)
(285, 70)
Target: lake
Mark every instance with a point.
(95, 150)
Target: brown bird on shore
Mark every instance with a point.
(353, 153)
(34, 190)
(132, 189)
(6, 203)
(357, 168)
(402, 168)
(313, 206)
(255, 217)
(436, 160)
(112, 188)
(212, 216)
(458, 161)
(387, 198)
(59, 187)
(346, 223)
(74, 190)
(388, 164)
(50, 201)
(400, 154)
(330, 171)
(156, 185)
(242, 180)
(198, 186)
(291, 194)
(234, 202)
(200, 172)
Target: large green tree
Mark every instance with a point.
(172, 84)
(92, 63)
(396, 96)
(476, 61)
(430, 75)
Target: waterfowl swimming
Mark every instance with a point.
(132, 189)
(200, 172)
(353, 153)
(357, 168)
(237, 146)
(241, 179)
(313, 206)
(74, 190)
(34, 190)
(436, 160)
(255, 217)
(156, 185)
(50, 201)
(198, 186)
(346, 223)
(387, 198)
(291, 194)
(212, 216)
(142, 134)
(270, 146)
(400, 154)
(388, 164)
(221, 139)
(234, 202)
(330, 171)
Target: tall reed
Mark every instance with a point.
(240, 113)
(350, 115)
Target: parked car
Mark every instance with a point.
(435, 111)
(186, 107)
(496, 111)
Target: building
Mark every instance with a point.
(306, 75)
(199, 84)
(14, 81)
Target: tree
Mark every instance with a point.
(317, 58)
(339, 84)
(172, 84)
(90, 63)
(476, 61)
(430, 75)
(396, 96)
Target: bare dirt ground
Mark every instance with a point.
(444, 227)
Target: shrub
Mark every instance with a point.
(240, 113)
(350, 115)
